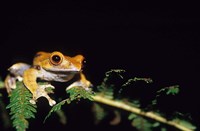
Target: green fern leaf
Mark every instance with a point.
(117, 71)
(74, 94)
(79, 92)
(105, 88)
(185, 123)
(99, 113)
(62, 116)
(142, 124)
(55, 108)
(130, 81)
(1, 83)
(132, 116)
(107, 91)
(173, 90)
(20, 108)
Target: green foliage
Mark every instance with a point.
(113, 71)
(98, 112)
(1, 83)
(56, 107)
(79, 92)
(62, 116)
(144, 124)
(171, 90)
(184, 123)
(107, 89)
(20, 108)
(75, 93)
(129, 81)
(134, 103)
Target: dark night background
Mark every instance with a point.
(157, 42)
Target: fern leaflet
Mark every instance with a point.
(20, 108)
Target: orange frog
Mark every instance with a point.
(49, 67)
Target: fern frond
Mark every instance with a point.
(141, 124)
(184, 123)
(98, 112)
(79, 92)
(20, 108)
(117, 71)
(75, 93)
(105, 88)
(170, 90)
(173, 90)
(147, 80)
(56, 108)
(107, 91)
(1, 83)
(62, 116)
(141, 119)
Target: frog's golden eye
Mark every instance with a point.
(56, 58)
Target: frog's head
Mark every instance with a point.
(57, 62)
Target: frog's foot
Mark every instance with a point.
(51, 102)
(47, 86)
(80, 83)
(41, 92)
(10, 83)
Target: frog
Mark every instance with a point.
(47, 66)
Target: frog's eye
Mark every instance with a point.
(56, 58)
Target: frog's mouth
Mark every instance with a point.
(62, 71)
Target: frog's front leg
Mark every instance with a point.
(30, 81)
(16, 72)
(82, 82)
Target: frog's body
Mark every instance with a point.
(50, 67)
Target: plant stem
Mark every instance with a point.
(138, 111)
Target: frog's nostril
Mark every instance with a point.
(84, 62)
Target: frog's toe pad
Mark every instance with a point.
(32, 101)
(52, 102)
(47, 86)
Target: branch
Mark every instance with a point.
(138, 111)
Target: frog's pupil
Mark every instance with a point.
(56, 58)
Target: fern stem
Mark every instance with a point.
(138, 111)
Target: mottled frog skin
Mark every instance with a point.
(49, 67)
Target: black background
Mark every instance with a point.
(157, 42)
